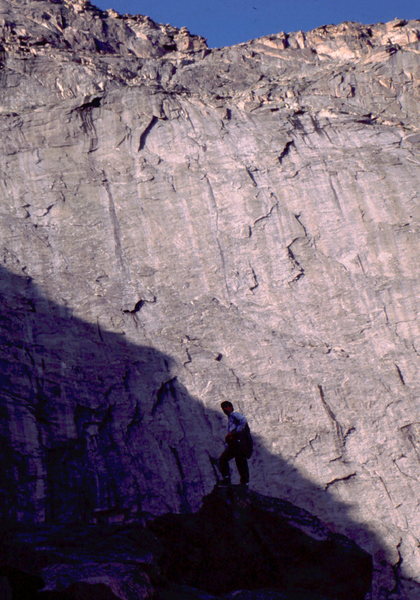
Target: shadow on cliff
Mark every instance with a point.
(97, 429)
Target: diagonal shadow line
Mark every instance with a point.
(94, 427)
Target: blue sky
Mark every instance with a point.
(227, 22)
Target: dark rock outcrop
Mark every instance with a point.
(242, 539)
(238, 543)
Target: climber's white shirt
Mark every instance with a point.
(237, 422)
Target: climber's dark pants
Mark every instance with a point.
(241, 463)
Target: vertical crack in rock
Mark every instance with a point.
(189, 359)
(411, 436)
(166, 392)
(219, 245)
(337, 426)
(256, 284)
(182, 485)
(387, 492)
(88, 126)
(359, 260)
(98, 328)
(310, 239)
(145, 133)
(115, 225)
(237, 378)
(348, 433)
(335, 195)
(250, 172)
(286, 150)
(296, 264)
(397, 568)
(400, 375)
(135, 420)
(3, 59)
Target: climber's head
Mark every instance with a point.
(227, 407)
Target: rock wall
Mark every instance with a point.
(253, 548)
(181, 226)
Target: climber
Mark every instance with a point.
(238, 445)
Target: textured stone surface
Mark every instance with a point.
(255, 542)
(240, 544)
(79, 562)
(181, 226)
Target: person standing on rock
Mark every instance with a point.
(239, 444)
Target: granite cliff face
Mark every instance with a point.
(181, 226)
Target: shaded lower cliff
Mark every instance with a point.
(96, 430)
(238, 542)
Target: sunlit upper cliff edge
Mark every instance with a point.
(181, 226)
